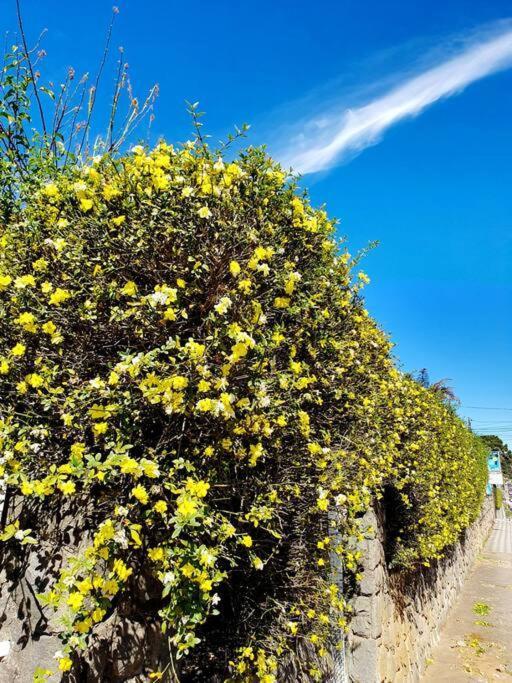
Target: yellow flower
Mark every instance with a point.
(204, 212)
(4, 367)
(188, 570)
(98, 614)
(49, 327)
(113, 378)
(75, 601)
(281, 302)
(110, 587)
(24, 281)
(59, 296)
(206, 585)
(34, 380)
(198, 488)
(121, 570)
(292, 625)
(160, 506)
(240, 349)
(85, 586)
(60, 242)
(119, 220)
(39, 488)
(169, 314)
(187, 506)
(322, 503)
(18, 350)
(156, 554)
(100, 428)
(150, 468)
(257, 563)
(129, 466)
(245, 285)
(256, 451)
(40, 265)
(130, 289)
(27, 321)
(109, 192)
(5, 281)
(65, 663)
(83, 626)
(247, 541)
(201, 488)
(195, 350)
(51, 190)
(234, 268)
(67, 487)
(160, 180)
(27, 488)
(86, 204)
(205, 404)
(140, 493)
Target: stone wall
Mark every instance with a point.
(398, 616)
(396, 622)
(128, 645)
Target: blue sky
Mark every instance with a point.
(435, 190)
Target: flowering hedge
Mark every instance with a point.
(183, 342)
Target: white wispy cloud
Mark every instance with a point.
(333, 135)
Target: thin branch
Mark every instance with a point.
(94, 88)
(115, 100)
(27, 56)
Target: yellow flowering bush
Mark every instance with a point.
(182, 342)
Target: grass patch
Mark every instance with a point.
(481, 608)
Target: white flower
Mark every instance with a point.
(158, 298)
(169, 577)
(224, 305)
(121, 539)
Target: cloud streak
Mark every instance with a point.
(330, 138)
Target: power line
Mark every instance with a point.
(484, 408)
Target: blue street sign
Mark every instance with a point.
(493, 462)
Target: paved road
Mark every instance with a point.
(476, 641)
(501, 537)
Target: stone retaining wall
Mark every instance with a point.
(397, 616)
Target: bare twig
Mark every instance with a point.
(29, 61)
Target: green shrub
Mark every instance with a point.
(181, 341)
(498, 498)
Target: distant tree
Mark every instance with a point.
(423, 378)
(445, 392)
(494, 442)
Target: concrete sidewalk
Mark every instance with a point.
(476, 641)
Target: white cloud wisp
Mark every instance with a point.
(352, 130)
